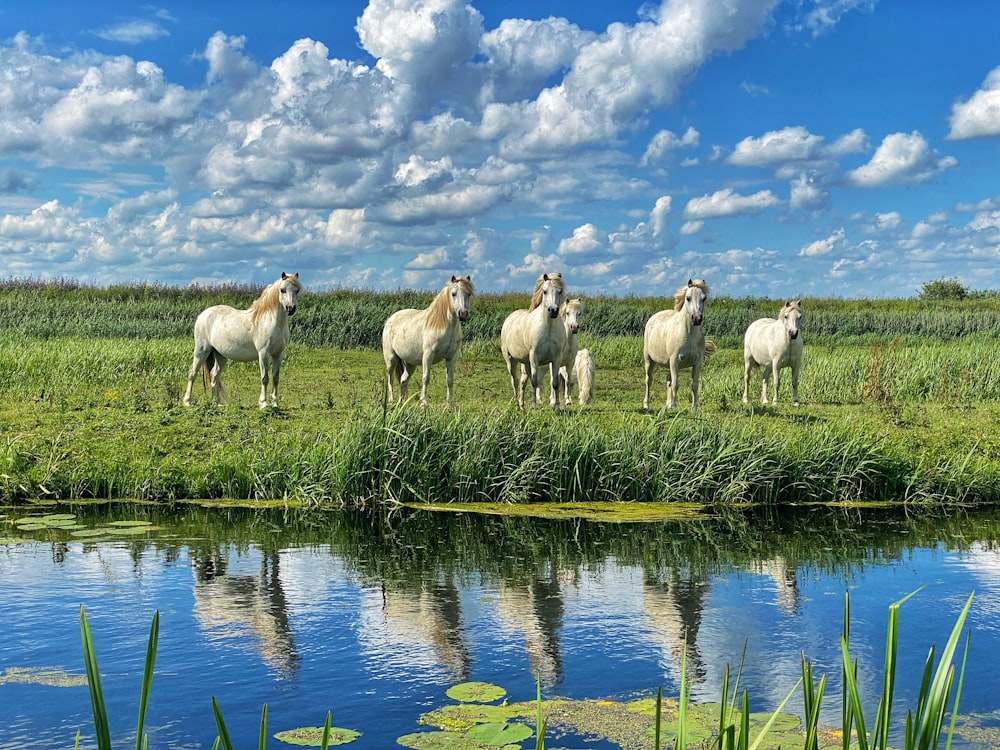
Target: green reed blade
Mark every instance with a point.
(958, 692)
(659, 714)
(262, 743)
(101, 727)
(147, 677)
(325, 741)
(223, 738)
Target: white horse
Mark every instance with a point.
(675, 338)
(772, 344)
(423, 337)
(259, 333)
(571, 313)
(535, 337)
(585, 371)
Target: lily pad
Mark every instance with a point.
(438, 741)
(497, 734)
(476, 692)
(31, 526)
(130, 523)
(50, 517)
(313, 736)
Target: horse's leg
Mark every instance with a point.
(672, 383)
(199, 359)
(262, 360)
(555, 380)
(392, 368)
(695, 380)
(650, 367)
(404, 380)
(425, 378)
(534, 373)
(747, 372)
(795, 385)
(275, 377)
(512, 371)
(776, 374)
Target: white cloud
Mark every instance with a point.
(666, 141)
(132, 32)
(727, 202)
(658, 216)
(979, 115)
(901, 159)
(794, 144)
(587, 239)
(824, 246)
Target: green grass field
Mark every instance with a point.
(908, 417)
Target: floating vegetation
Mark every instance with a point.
(313, 736)
(476, 692)
(51, 676)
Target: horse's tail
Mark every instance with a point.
(398, 368)
(709, 348)
(585, 375)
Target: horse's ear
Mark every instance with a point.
(453, 278)
(690, 282)
(284, 275)
(545, 277)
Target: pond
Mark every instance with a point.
(373, 617)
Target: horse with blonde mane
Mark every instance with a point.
(422, 337)
(772, 344)
(570, 314)
(260, 333)
(676, 339)
(536, 337)
(585, 371)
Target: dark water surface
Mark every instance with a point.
(373, 618)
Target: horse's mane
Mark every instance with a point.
(576, 304)
(682, 292)
(792, 304)
(269, 298)
(439, 310)
(536, 296)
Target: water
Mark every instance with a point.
(373, 619)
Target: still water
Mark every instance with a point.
(373, 617)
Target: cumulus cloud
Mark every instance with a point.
(979, 115)
(826, 245)
(901, 159)
(586, 240)
(727, 202)
(794, 144)
(666, 141)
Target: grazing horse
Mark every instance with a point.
(259, 333)
(675, 338)
(423, 337)
(772, 344)
(585, 371)
(571, 313)
(535, 337)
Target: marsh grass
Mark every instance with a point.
(900, 402)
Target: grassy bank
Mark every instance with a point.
(83, 417)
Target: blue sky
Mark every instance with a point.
(844, 148)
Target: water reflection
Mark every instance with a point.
(365, 610)
(229, 605)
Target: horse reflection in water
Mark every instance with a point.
(786, 581)
(673, 607)
(232, 606)
(535, 608)
(422, 619)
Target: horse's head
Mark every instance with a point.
(461, 290)
(288, 292)
(552, 289)
(693, 303)
(791, 314)
(571, 314)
